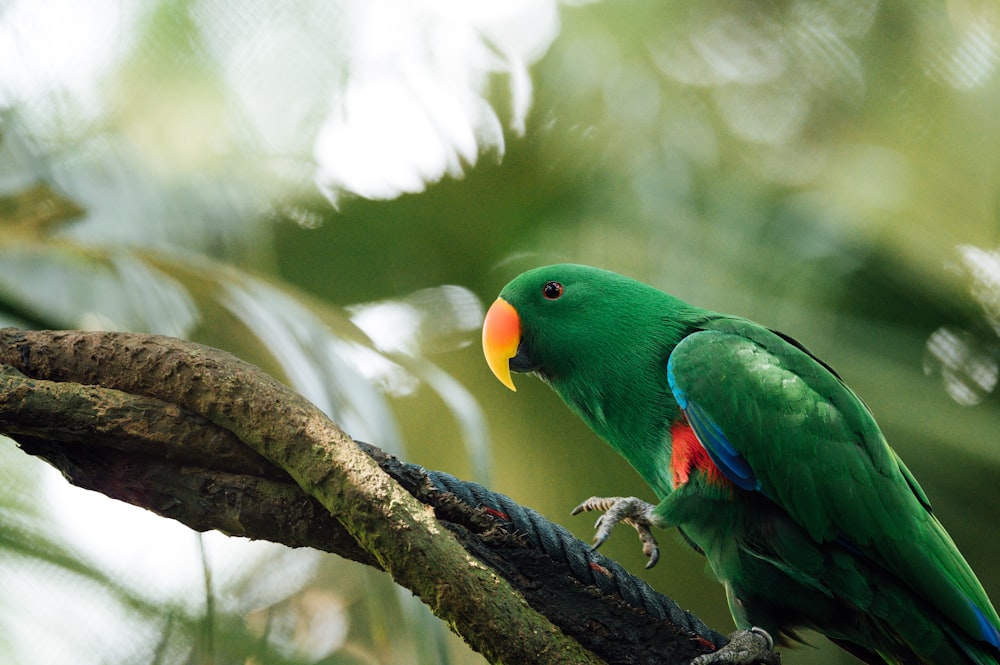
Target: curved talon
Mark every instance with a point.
(601, 503)
(599, 539)
(649, 548)
(766, 635)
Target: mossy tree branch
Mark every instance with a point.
(197, 435)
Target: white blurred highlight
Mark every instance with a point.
(414, 107)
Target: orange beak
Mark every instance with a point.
(501, 336)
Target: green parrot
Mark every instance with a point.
(760, 456)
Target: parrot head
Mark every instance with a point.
(536, 297)
(564, 321)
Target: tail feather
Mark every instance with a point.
(988, 631)
(978, 653)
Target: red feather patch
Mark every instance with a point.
(688, 454)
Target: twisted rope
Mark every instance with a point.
(586, 565)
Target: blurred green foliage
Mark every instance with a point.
(831, 169)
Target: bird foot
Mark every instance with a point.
(745, 647)
(635, 512)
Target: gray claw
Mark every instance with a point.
(632, 511)
(745, 647)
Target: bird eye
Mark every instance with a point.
(552, 290)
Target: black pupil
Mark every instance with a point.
(552, 290)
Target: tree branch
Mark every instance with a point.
(196, 435)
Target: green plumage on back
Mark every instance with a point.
(764, 459)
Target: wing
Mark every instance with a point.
(777, 421)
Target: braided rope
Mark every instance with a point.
(586, 565)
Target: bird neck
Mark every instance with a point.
(626, 399)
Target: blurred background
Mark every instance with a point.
(334, 189)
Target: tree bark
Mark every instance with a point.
(199, 436)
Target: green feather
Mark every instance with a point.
(615, 382)
(832, 532)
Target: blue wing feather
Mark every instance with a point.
(730, 462)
